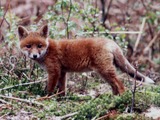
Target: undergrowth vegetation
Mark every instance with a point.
(23, 82)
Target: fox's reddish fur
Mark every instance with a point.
(61, 56)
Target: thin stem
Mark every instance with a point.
(7, 7)
(69, 14)
(134, 90)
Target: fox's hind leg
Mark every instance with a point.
(103, 64)
(110, 76)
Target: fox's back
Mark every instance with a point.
(80, 55)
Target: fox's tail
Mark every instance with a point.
(125, 66)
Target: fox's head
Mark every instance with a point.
(33, 44)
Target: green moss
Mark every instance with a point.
(133, 116)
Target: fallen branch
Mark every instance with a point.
(58, 93)
(3, 101)
(23, 84)
(66, 116)
(49, 97)
(23, 100)
(42, 98)
(103, 117)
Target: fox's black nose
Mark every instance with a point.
(34, 56)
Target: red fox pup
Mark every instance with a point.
(85, 54)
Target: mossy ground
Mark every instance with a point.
(78, 99)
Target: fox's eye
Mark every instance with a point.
(28, 46)
(39, 46)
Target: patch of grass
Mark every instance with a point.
(132, 117)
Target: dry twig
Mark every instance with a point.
(104, 12)
(23, 100)
(49, 97)
(151, 42)
(23, 84)
(114, 32)
(7, 7)
(3, 101)
(66, 116)
(140, 34)
(103, 117)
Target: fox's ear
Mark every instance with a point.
(44, 31)
(22, 32)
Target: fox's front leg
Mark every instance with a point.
(62, 84)
(53, 78)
